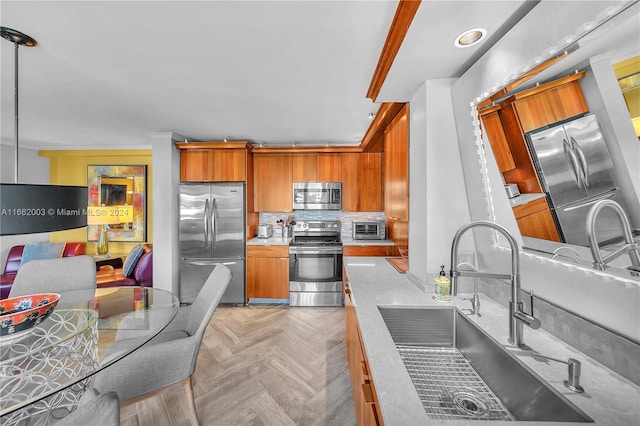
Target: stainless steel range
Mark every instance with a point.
(315, 264)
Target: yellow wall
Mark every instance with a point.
(70, 168)
(626, 69)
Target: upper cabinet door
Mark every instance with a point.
(396, 167)
(362, 182)
(498, 140)
(213, 165)
(316, 168)
(273, 184)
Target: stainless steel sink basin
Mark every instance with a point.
(460, 372)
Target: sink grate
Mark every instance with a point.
(449, 387)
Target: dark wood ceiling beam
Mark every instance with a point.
(401, 21)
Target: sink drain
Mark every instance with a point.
(468, 402)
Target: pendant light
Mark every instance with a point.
(28, 208)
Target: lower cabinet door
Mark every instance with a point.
(268, 277)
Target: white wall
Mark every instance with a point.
(436, 179)
(166, 178)
(33, 169)
(611, 302)
(603, 95)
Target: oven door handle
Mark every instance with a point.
(315, 250)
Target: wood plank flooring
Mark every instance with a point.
(263, 365)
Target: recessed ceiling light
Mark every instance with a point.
(470, 37)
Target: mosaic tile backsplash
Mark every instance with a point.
(345, 218)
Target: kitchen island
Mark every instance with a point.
(609, 399)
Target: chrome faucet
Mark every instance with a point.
(630, 246)
(516, 315)
(573, 381)
(475, 299)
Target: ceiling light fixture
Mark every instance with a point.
(372, 115)
(54, 207)
(470, 37)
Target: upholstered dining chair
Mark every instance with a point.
(99, 410)
(171, 356)
(55, 276)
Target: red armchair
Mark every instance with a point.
(15, 257)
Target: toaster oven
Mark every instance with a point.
(368, 230)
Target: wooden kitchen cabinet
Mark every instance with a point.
(364, 395)
(317, 167)
(495, 133)
(368, 250)
(396, 166)
(550, 102)
(273, 182)
(535, 220)
(362, 182)
(208, 162)
(267, 272)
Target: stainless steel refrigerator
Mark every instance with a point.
(212, 231)
(576, 171)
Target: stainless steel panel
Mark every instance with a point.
(194, 273)
(227, 219)
(592, 153)
(315, 286)
(194, 223)
(315, 299)
(573, 221)
(558, 167)
(315, 250)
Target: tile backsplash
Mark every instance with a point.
(345, 218)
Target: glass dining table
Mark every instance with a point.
(44, 372)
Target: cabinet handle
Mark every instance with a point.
(367, 392)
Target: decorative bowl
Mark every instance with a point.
(19, 314)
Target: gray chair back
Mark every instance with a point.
(202, 309)
(55, 276)
(102, 410)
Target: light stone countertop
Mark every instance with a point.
(524, 199)
(271, 241)
(346, 241)
(609, 398)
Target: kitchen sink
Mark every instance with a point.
(460, 372)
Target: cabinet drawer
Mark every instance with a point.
(267, 251)
(367, 250)
(531, 207)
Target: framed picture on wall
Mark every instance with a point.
(117, 200)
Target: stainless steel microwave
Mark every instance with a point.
(317, 196)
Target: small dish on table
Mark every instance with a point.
(18, 315)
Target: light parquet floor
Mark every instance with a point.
(263, 365)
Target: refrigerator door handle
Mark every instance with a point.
(584, 166)
(573, 160)
(206, 223)
(590, 203)
(209, 263)
(214, 211)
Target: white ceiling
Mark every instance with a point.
(107, 74)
